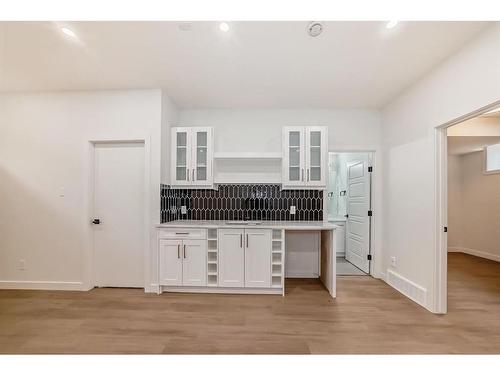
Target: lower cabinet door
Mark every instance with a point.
(170, 258)
(194, 263)
(258, 258)
(231, 258)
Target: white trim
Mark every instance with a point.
(477, 253)
(410, 289)
(439, 292)
(88, 200)
(186, 289)
(43, 285)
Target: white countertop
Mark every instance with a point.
(290, 225)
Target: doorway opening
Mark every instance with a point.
(467, 204)
(349, 206)
(473, 152)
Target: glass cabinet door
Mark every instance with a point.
(181, 156)
(294, 156)
(200, 171)
(314, 171)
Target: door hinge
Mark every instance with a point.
(370, 169)
(369, 257)
(370, 213)
(445, 229)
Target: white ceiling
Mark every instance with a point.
(255, 64)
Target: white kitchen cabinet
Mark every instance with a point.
(170, 262)
(231, 258)
(245, 258)
(183, 262)
(194, 263)
(257, 258)
(192, 157)
(305, 156)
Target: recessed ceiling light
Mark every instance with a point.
(68, 32)
(223, 26)
(391, 24)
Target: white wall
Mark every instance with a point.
(455, 222)
(476, 214)
(466, 81)
(169, 118)
(260, 130)
(43, 148)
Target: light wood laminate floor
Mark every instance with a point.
(367, 317)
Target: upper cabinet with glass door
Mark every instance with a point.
(305, 155)
(192, 154)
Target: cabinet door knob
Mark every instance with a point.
(184, 251)
(247, 240)
(96, 221)
(178, 251)
(241, 240)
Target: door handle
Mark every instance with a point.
(186, 233)
(187, 173)
(193, 175)
(96, 221)
(241, 240)
(247, 240)
(302, 175)
(178, 251)
(307, 174)
(184, 251)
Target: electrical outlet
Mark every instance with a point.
(292, 210)
(393, 261)
(183, 210)
(22, 264)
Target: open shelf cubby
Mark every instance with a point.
(277, 258)
(276, 246)
(212, 280)
(277, 234)
(276, 282)
(212, 257)
(212, 234)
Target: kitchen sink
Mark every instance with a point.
(243, 222)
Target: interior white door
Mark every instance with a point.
(170, 258)
(258, 258)
(194, 263)
(119, 207)
(358, 221)
(231, 258)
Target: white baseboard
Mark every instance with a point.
(407, 287)
(477, 253)
(221, 290)
(43, 285)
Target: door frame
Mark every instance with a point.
(440, 280)
(376, 204)
(89, 170)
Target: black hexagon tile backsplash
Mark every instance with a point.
(241, 202)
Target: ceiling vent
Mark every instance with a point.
(315, 28)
